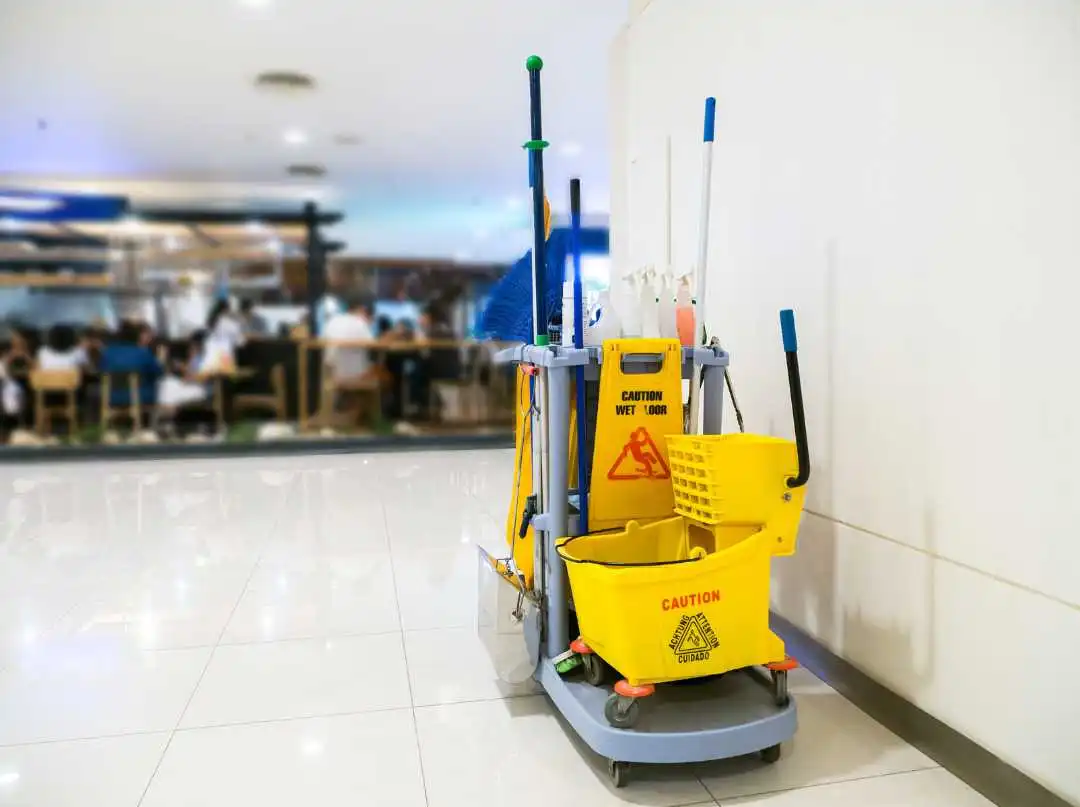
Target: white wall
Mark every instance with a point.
(618, 126)
(906, 175)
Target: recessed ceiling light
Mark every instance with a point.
(285, 81)
(295, 137)
(311, 170)
(571, 149)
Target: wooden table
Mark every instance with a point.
(381, 346)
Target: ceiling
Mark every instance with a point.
(158, 101)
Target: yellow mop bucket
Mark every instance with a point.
(674, 600)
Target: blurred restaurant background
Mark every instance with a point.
(122, 324)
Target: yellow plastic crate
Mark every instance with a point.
(674, 600)
(737, 479)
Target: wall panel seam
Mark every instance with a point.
(945, 559)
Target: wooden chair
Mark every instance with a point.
(217, 402)
(367, 395)
(132, 410)
(214, 405)
(466, 391)
(18, 371)
(273, 400)
(63, 383)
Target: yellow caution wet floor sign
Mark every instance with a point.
(640, 403)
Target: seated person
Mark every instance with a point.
(187, 387)
(350, 366)
(383, 326)
(347, 363)
(301, 330)
(93, 343)
(131, 353)
(14, 366)
(223, 336)
(251, 322)
(400, 366)
(436, 363)
(62, 350)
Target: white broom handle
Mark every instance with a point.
(706, 202)
(667, 205)
(703, 255)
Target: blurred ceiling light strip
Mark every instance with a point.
(29, 204)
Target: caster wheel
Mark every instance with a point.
(622, 713)
(596, 670)
(771, 754)
(619, 772)
(780, 688)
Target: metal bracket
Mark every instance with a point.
(548, 356)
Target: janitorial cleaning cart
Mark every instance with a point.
(636, 589)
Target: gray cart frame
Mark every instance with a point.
(734, 715)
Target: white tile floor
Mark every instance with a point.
(299, 631)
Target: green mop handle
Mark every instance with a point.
(535, 146)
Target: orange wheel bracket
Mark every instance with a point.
(579, 647)
(786, 665)
(628, 690)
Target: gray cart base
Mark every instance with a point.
(689, 722)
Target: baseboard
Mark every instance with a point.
(967, 760)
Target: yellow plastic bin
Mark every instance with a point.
(738, 479)
(674, 600)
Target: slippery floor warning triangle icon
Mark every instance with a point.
(639, 459)
(694, 638)
(691, 640)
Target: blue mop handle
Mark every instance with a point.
(535, 147)
(710, 119)
(579, 341)
(787, 331)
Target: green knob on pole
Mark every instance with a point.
(534, 63)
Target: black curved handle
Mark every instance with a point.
(791, 351)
